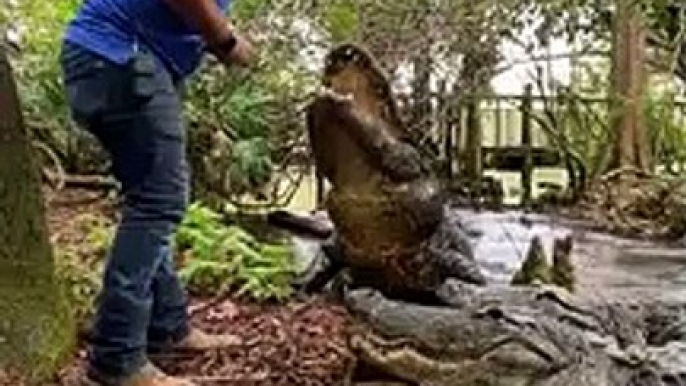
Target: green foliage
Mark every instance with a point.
(81, 281)
(241, 108)
(216, 257)
(340, 19)
(98, 231)
(666, 130)
(221, 257)
(251, 164)
(36, 68)
(236, 122)
(236, 118)
(249, 9)
(79, 264)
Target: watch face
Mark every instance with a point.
(231, 42)
(227, 44)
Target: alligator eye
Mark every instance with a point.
(491, 312)
(350, 55)
(670, 379)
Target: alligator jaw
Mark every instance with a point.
(335, 95)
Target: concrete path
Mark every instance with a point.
(606, 265)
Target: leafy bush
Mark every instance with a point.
(218, 257)
(667, 134)
(79, 262)
(81, 281)
(254, 112)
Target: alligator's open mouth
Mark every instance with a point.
(328, 91)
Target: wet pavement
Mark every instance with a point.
(606, 265)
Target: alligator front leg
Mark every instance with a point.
(449, 249)
(398, 160)
(333, 273)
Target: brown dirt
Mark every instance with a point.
(301, 342)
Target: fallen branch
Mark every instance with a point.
(90, 182)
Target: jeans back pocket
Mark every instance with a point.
(84, 81)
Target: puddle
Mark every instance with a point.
(606, 265)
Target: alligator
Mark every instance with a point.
(387, 207)
(510, 336)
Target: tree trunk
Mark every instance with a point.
(526, 138)
(473, 166)
(36, 329)
(420, 110)
(631, 149)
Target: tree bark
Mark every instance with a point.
(36, 330)
(473, 166)
(631, 149)
(526, 138)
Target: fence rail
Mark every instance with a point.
(514, 130)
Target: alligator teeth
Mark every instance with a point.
(347, 97)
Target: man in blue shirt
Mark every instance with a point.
(123, 62)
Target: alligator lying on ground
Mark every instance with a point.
(519, 336)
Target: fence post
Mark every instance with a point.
(445, 125)
(498, 123)
(527, 170)
(473, 156)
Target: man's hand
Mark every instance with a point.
(239, 51)
(215, 30)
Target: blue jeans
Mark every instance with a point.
(134, 111)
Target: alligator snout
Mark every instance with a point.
(362, 299)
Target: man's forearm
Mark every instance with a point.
(205, 16)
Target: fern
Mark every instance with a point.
(222, 257)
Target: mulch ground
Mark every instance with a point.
(302, 342)
(299, 343)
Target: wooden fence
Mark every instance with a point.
(515, 131)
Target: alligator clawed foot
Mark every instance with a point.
(631, 356)
(340, 285)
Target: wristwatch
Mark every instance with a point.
(223, 47)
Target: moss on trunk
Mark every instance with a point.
(36, 331)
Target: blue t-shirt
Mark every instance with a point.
(115, 28)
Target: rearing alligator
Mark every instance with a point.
(387, 207)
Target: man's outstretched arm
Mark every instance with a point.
(205, 16)
(216, 30)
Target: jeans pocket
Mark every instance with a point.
(145, 82)
(85, 83)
